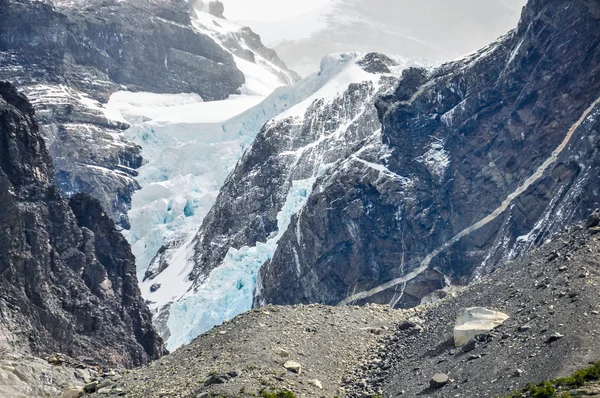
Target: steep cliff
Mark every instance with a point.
(67, 277)
(486, 158)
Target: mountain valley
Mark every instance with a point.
(169, 184)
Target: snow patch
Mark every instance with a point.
(436, 159)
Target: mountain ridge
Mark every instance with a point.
(503, 115)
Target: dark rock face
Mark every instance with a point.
(67, 277)
(119, 42)
(287, 149)
(488, 156)
(69, 57)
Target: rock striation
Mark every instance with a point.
(67, 276)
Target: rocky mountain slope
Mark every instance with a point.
(247, 355)
(550, 296)
(484, 159)
(70, 56)
(372, 197)
(67, 276)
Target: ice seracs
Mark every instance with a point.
(302, 130)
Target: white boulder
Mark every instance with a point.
(476, 320)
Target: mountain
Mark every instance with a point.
(312, 125)
(70, 56)
(487, 157)
(67, 276)
(455, 171)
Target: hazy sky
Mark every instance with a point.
(269, 10)
(303, 31)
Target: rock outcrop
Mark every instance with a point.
(67, 277)
(485, 158)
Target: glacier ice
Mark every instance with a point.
(229, 289)
(190, 147)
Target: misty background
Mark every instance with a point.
(302, 32)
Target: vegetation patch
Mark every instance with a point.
(556, 388)
(277, 394)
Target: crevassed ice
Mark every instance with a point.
(228, 291)
(190, 147)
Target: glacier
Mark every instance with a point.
(190, 148)
(229, 289)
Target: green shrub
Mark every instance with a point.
(548, 389)
(277, 394)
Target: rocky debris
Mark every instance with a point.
(293, 366)
(73, 392)
(469, 346)
(25, 376)
(475, 321)
(438, 381)
(281, 352)
(554, 337)
(67, 276)
(91, 386)
(340, 339)
(217, 379)
(464, 187)
(551, 331)
(518, 373)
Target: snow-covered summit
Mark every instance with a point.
(263, 70)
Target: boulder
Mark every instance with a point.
(554, 337)
(593, 220)
(217, 379)
(91, 387)
(73, 392)
(293, 366)
(438, 381)
(476, 320)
